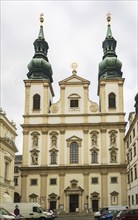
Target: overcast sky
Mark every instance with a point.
(74, 31)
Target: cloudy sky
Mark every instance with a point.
(74, 31)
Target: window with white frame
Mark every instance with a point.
(74, 152)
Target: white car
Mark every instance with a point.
(5, 215)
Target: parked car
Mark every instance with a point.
(5, 215)
(119, 214)
(131, 214)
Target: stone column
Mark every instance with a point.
(104, 189)
(25, 147)
(61, 187)
(122, 146)
(102, 96)
(45, 104)
(62, 100)
(103, 147)
(86, 148)
(85, 86)
(86, 188)
(44, 151)
(121, 99)
(62, 147)
(28, 107)
(24, 188)
(43, 188)
(123, 188)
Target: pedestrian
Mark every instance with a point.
(17, 212)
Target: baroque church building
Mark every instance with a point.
(73, 150)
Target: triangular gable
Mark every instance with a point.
(74, 138)
(74, 79)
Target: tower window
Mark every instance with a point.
(36, 102)
(74, 103)
(112, 100)
(74, 152)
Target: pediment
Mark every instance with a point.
(113, 148)
(33, 195)
(94, 149)
(34, 150)
(53, 150)
(52, 195)
(74, 79)
(74, 138)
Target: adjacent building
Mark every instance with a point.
(17, 178)
(131, 141)
(73, 150)
(7, 156)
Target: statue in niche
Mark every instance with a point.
(113, 139)
(34, 158)
(54, 141)
(35, 141)
(94, 140)
(113, 157)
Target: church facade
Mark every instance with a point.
(73, 150)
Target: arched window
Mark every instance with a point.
(112, 100)
(53, 158)
(94, 157)
(74, 152)
(36, 102)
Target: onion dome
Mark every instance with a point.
(39, 67)
(110, 66)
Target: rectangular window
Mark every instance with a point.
(15, 181)
(135, 171)
(130, 139)
(133, 132)
(131, 173)
(134, 146)
(74, 153)
(130, 154)
(127, 144)
(16, 169)
(128, 177)
(33, 182)
(113, 179)
(136, 198)
(132, 200)
(53, 181)
(94, 180)
(74, 103)
(6, 170)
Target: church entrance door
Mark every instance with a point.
(73, 203)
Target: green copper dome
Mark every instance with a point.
(39, 67)
(110, 66)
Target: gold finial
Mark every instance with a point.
(74, 66)
(41, 18)
(108, 18)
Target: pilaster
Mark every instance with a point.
(103, 147)
(62, 148)
(24, 188)
(25, 147)
(27, 98)
(86, 148)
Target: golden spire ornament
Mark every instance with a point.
(108, 18)
(41, 19)
(74, 66)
